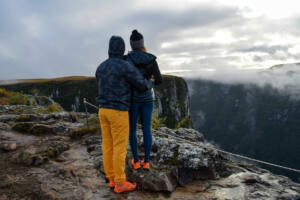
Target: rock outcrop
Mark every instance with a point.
(51, 165)
(173, 102)
(172, 98)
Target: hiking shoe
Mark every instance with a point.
(112, 184)
(146, 165)
(125, 187)
(136, 165)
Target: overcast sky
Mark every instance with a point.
(54, 38)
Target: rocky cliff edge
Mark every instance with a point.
(53, 156)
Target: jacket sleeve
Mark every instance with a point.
(135, 78)
(97, 78)
(156, 73)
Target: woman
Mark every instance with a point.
(142, 103)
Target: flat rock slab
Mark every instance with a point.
(4, 126)
(8, 146)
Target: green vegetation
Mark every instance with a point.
(23, 127)
(24, 118)
(52, 108)
(79, 133)
(12, 98)
(185, 123)
(67, 78)
(94, 120)
(94, 128)
(157, 122)
(175, 160)
(17, 99)
(4, 93)
(55, 150)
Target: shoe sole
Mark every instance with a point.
(124, 191)
(128, 190)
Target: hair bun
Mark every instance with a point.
(134, 31)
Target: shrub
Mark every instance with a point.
(185, 123)
(158, 122)
(25, 118)
(3, 101)
(94, 120)
(23, 127)
(4, 93)
(12, 98)
(79, 133)
(17, 98)
(53, 108)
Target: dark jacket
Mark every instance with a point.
(115, 77)
(147, 65)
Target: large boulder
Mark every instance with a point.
(175, 162)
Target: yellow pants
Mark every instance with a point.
(115, 132)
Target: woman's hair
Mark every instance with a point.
(144, 49)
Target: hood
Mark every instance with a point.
(116, 46)
(141, 58)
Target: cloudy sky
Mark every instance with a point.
(54, 38)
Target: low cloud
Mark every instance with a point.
(285, 78)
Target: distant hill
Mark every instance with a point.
(67, 78)
(285, 66)
(172, 97)
(290, 70)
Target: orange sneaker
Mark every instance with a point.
(112, 184)
(136, 165)
(146, 165)
(125, 187)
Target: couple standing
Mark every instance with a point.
(124, 84)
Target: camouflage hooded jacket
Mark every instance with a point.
(115, 77)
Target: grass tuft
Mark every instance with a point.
(23, 127)
(79, 133)
(12, 98)
(52, 108)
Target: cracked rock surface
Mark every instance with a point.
(40, 160)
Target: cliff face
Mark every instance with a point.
(172, 97)
(260, 122)
(173, 102)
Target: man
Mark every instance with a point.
(115, 77)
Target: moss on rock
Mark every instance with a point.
(25, 118)
(186, 122)
(79, 133)
(23, 127)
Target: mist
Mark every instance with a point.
(285, 78)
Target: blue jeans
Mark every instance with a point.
(145, 110)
